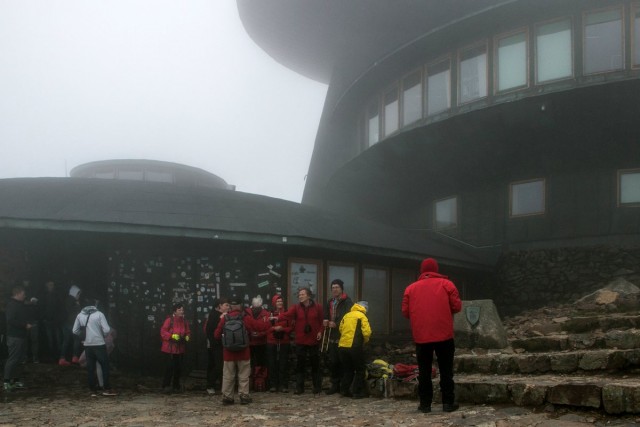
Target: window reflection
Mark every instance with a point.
(412, 98)
(438, 87)
(553, 51)
(446, 213)
(629, 187)
(373, 125)
(603, 41)
(391, 122)
(527, 198)
(512, 62)
(473, 74)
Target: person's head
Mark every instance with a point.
(276, 302)
(364, 304)
(222, 305)
(235, 304)
(50, 286)
(337, 288)
(304, 295)
(75, 292)
(18, 293)
(256, 302)
(429, 265)
(178, 309)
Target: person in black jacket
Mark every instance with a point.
(17, 327)
(214, 346)
(338, 305)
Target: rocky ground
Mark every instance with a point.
(139, 403)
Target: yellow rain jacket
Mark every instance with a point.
(354, 328)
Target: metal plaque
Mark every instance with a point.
(473, 315)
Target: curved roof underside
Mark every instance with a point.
(311, 37)
(146, 208)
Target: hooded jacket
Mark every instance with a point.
(430, 303)
(260, 325)
(174, 325)
(335, 309)
(305, 315)
(97, 326)
(355, 330)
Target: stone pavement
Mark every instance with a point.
(72, 406)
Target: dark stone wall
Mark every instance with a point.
(531, 279)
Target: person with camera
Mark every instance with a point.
(278, 348)
(307, 315)
(175, 334)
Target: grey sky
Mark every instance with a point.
(179, 81)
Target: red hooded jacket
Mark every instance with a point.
(174, 325)
(287, 326)
(430, 303)
(305, 315)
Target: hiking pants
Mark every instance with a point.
(17, 348)
(335, 365)
(353, 370)
(173, 370)
(444, 352)
(97, 353)
(214, 366)
(302, 353)
(278, 368)
(229, 371)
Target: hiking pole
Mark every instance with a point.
(324, 346)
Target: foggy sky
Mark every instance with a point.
(178, 81)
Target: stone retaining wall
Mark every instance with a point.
(532, 279)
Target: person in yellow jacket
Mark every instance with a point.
(355, 332)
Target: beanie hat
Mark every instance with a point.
(339, 283)
(364, 304)
(74, 291)
(275, 299)
(429, 265)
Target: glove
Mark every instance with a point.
(186, 338)
(175, 337)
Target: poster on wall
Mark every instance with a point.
(303, 274)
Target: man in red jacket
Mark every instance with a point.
(430, 303)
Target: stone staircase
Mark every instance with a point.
(585, 354)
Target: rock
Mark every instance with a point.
(488, 332)
(576, 395)
(618, 399)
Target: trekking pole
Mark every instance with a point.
(324, 346)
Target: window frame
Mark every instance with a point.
(621, 172)
(356, 278)
(544, 198)
(374, 101)
(401, 92)
(635, 62)
(496, 58)
(425, 96)
(388, 293)
(623, 37)
(383, 110)
(435, 218)
(460, 51)
(534, 37)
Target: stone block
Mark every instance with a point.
(528, 394)
(588, 395)
(488, 332)
(594, 360)
(619, 399)
(486, 392)
(533, 363)
(403, 390)
(564, 362)
(623, 339)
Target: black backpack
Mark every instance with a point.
(83, 329)
(234, 333)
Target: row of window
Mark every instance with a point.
(426, 92)
(528, 198)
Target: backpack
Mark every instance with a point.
(83, 329)
(234, 333)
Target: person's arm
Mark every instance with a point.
(366, 329)
(104, 325)
(76, 325)
(218, 332)
(454, 298)
(405, 303)
(165, 333)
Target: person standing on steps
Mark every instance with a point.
(430, 303)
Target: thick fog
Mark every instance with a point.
(169, 80)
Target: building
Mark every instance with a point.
(497, 125)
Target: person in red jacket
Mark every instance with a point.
(175, 333)
(235, 362)
(258, 338)
(278, 348)
(430, 303)
(308, 329)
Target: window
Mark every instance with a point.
(346, 273)
(629, 187)
(373, 124)
(438, 87)
(375, 291)
(527, 198)
(511, 62)
(157, 176)
(603, 49)
(636, 35)
(303, 273)
(473, 74)
(446, 213)
(391, 105)
(554, 59)
(412, 98)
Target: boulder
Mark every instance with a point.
(478, 325)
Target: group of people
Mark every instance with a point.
(246, 343)
(243, 342)
(76, 326)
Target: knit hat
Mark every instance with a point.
(275, 299)
(339, 283)
(429, 265)
(364, 304)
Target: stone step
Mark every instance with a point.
(613, 339)
(574, 324)
(615, 395)
(543, 363)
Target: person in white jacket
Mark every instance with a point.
(96, 328)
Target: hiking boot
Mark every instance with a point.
(450, 407)
(245, 400)
(227, 401)
(75, 360)
(211, 391)
(63, 362)
(94, 393)
(425, 409)
(109, 393)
